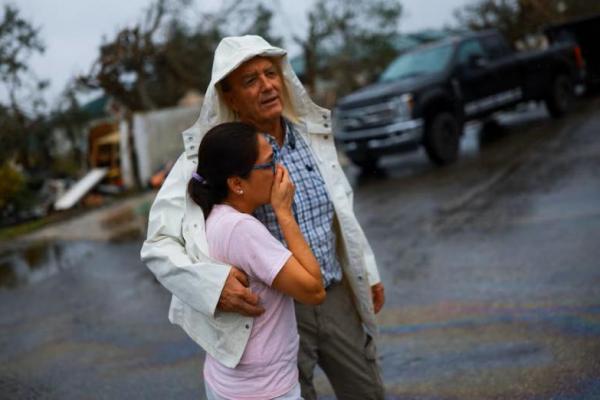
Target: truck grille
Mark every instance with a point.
(367, 117)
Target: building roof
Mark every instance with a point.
(97, 107)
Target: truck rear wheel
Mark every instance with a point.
(561, 95)
(442, 138)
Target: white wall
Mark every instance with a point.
(157, 137)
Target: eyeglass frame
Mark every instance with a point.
(273, 163)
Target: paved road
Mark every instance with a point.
(491, 269)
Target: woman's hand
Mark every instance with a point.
(282, 191)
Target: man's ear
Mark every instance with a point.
(229, 100)
(228, 94)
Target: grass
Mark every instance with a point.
(11, 232)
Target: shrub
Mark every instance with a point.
(12, 184)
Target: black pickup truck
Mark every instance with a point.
(585, 32)
(425, 96)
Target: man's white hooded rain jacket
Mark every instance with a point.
(176, 249)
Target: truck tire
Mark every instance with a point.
(442, 138)
(560, 97)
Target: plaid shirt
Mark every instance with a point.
(312, 208)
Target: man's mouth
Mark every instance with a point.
(270, 101)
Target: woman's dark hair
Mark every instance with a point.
(228, 149)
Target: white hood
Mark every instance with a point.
(230, 54)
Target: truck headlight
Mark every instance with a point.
(403, 106)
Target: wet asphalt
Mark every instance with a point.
(491, 268)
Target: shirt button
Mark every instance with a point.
(360, 278)
(195, 225)
(326, 137)
(326, 125)
(247, 326)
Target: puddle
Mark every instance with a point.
(29, 263)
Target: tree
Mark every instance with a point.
(155, 62)
(186, 57)
(71, 118)
(349, 41)
(21, 117)
(318, 30)
(252, 17)
(518, 18)
(19, 40)
(126, 65)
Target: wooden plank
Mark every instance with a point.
(79, 189)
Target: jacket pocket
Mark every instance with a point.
(370, 348)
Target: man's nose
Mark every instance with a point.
(266, 82)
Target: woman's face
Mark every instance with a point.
(257, 187)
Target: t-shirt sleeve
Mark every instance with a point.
(252, 248)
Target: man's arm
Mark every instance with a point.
(377, 289)
(237, 298)
(204, 285)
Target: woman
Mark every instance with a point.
(238, 172)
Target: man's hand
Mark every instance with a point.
(237, 298)
(378, 296)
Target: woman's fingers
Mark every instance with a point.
(278, 189)
(288, 181)
(278, 173)
(283, 187)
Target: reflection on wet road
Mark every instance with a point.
(490, 265)
(97, 329)
(28, 263)
(493, 279)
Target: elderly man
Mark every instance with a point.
(253, 82)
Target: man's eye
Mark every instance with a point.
(271, 74)
(249, 81)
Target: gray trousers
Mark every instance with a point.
(332, 336)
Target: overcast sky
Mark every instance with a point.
(72, 30)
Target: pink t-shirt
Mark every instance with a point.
(268, 366)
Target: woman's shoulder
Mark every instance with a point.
(221, 211)
(247, 223)
(243, 230)
(224, 215)
(226, 231)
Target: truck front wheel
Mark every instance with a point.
(560, 97)
(442, 138)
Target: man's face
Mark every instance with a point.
(255, 91)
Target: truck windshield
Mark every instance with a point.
(420, 62)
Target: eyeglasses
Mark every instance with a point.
(273, 163)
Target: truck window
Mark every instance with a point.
(495, 46)
(469, 49)
(426, 61)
